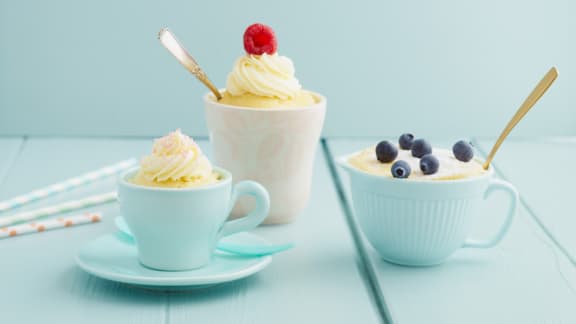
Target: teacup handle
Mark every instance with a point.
(495, 185)
(256, 216)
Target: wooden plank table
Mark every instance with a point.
(332, 275)
(525, 279)
(318, 281)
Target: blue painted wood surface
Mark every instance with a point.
(41, 272)
(328, 277)
(96, 68)
(317, 281)
(544, 172)
(525, 279)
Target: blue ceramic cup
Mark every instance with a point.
(178, 228)
(419, 222)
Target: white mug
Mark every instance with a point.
(273, 146)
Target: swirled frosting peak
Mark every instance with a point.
(176, 161)
(264, 75)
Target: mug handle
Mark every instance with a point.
(494, 185)
(256, 216)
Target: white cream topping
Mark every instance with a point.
(450, 168)
(263, 75)
(176, 157)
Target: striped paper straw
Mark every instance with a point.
(67, 185)
(50, 224)
(58, 209)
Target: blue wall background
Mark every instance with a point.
(444, 68)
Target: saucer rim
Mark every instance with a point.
(184, 280)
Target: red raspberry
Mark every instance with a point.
(260, 39)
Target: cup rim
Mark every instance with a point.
(320, 104)
(223, 182)
(343, 162)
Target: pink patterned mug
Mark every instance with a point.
(273, 146)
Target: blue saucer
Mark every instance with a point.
(111, 258)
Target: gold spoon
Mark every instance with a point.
(173, 46)
(530, 101)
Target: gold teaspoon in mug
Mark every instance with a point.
(528, 103)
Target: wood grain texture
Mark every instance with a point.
(318, 281)
(525, 279)
(543, 171)
(38, 276)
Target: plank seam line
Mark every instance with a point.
(166, 319)
(12, 160)
(365, 265)
(531, 212)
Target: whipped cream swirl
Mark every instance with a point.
(175, 157)
(263, 75)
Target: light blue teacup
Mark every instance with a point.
(177, 228)
(421, 223)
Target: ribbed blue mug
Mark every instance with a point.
(178, 228)
(419, 222)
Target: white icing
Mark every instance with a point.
(450, 167)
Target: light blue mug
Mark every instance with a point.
(177, 228)
(421, 223)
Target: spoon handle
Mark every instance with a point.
(528, 103)
(173, 46)
(253, 250)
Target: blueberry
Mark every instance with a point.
(421, 147)
(463, 151)
(405, 141)
(386, 152)
(429, 164)
(400, 169)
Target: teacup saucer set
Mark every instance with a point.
(181, 237)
